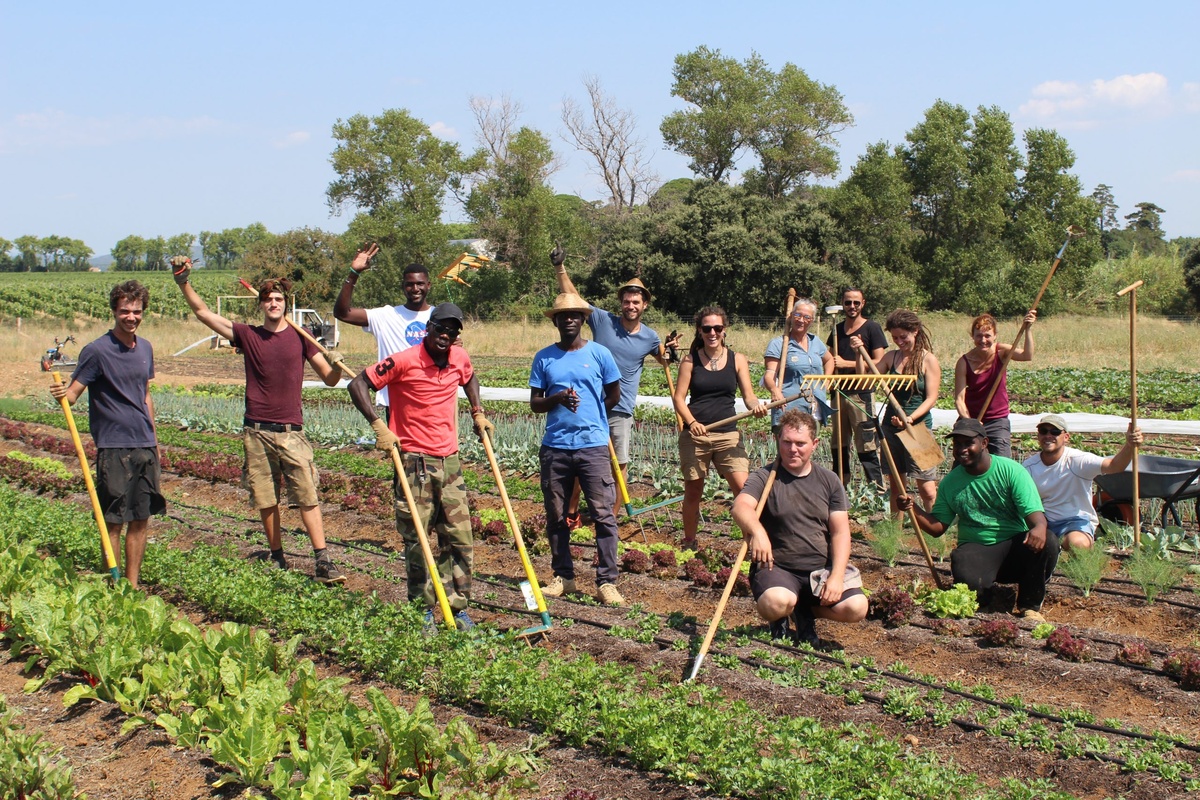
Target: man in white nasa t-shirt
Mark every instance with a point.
(395, 328)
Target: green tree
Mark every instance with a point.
(7, 262)
(395, 173)
(27, 253)
(226, 249)
(62, 254)
(1106, 217)
(179, 245)
(1191, 274)
(128, 254)
(1145, 226)
(785, 118)
(313, 259)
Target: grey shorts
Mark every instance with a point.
(620, 426)
(128, 484)
(904, 463)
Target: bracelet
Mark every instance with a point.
(353, 273)
(476, 410)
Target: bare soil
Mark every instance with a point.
(144, 764)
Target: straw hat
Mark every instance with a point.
(634, 283)
(569, 301)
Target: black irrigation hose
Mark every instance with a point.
(665, 643)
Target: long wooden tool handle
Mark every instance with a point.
(738, 417)
(430, 565)
(890, 395)
(1024, 326)
(781, 368)
(662, 351)
(110, 559)
(733, 576)
(1131, 290)
(898, 481)
(530, 575)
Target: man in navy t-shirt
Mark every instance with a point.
(116, 370)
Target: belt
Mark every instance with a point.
(273, 427)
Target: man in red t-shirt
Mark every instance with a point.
(422, 384)
(272, 431)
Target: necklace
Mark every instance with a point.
(713, 362)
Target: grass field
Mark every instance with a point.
(1062, 341)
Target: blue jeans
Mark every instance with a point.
(593, 468)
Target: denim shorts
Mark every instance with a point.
(1060, 527)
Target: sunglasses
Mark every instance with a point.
(712, 328)
(440, 329)
(803, 317)
(1048, 430)
(852, 302)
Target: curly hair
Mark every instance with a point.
(796, 419)
(129, 290)
(982, 322)
(281, 285)
(906, 320)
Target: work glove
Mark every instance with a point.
(181, 266)
(384, 438)
(482, 424)
(336, 360)
(558, 255)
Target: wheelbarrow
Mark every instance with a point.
(1171, 480)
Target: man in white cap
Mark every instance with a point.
(630, 342)
(575, 383)
(1064, 476)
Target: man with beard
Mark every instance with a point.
(116, 371)
(630, 342)
(853, 332)
(424, 383)
(276, 448)
(1001, 526)
(575, 383)
(395, 328)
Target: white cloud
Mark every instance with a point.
(1185, 176)
(292, 139)
(443, 130)
(54, 129)
(1078, 105)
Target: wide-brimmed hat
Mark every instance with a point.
(634, 283)
(569, 301)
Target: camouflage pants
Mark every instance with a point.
(440, 496)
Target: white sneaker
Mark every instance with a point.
(609, 595)
(559, 586)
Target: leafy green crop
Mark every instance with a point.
(959, 602)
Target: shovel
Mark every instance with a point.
(1131, 290)
(534, 587)
(918, 440)
(430, 565)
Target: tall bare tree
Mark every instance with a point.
(608, 134)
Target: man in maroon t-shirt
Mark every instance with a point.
(272, 433)
(422, 384)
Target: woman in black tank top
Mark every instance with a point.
(712, 373)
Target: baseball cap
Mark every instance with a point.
(444, 312)
(1055, 420)
(966, 426)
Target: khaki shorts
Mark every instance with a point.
(857, 424)
(275, 458)
(723, 450)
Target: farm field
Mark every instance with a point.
(925, 709)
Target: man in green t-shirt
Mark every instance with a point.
(1001, 524)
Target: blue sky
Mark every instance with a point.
(157, 119)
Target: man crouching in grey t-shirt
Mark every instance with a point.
(804, 528)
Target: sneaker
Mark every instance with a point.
(609, 596)
(429, 622)
(780, 629)
(806, 627)
(327, 572)
(574, 521)
(277, 561)
(559, 586)
(1033, 615)
(463, 621)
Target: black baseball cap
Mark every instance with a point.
(967, 426)
(444, 312)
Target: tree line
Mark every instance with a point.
(959, 215)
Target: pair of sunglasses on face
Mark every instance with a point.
(712, 328)
(438, 329)
(1048, 430)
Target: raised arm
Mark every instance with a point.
(558, 258)
(1118, 462)
(1026, 351)
(342, 308)
(215, 322)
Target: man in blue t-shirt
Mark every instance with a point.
(630, 342)
(116, 371)
(575, 383)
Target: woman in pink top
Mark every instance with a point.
(975, 372)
